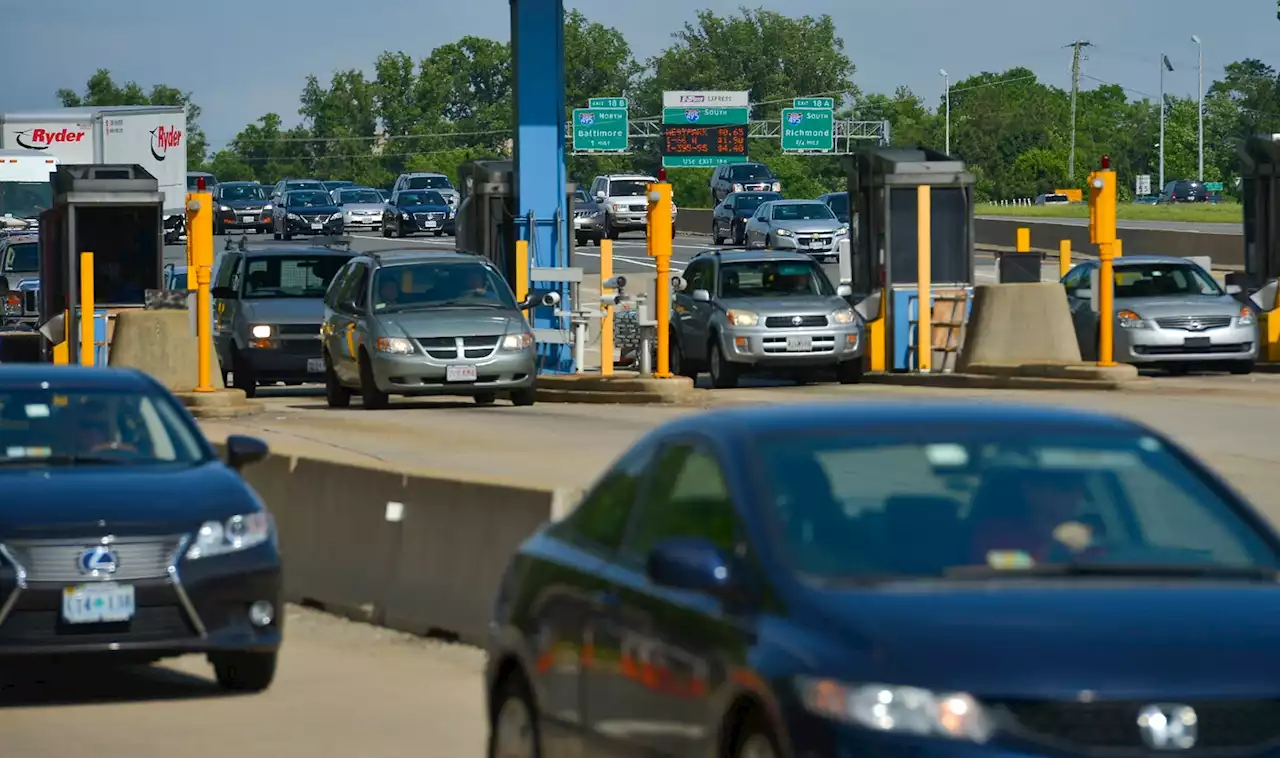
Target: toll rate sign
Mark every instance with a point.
(702, 129)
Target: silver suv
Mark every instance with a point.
(624, 200)
(413, 323)
(763, 311)
(425, 180)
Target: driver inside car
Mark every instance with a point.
(1032, 512)
(93, 428)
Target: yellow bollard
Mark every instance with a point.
(204, 362)
(1023, 244)
(522, 270)
(62, 350)
(199, 232)
(606, 316)
(86, 309)
(924, 276)
(1102, 232)
(1117, 249)
(659, 243)
(1064, 257)
(1106, 305)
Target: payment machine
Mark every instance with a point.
(1260, 196)
(885, 192)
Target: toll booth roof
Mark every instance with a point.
(908, 165)
(105, 183)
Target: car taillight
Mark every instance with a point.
(13, 299)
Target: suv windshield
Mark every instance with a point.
(839, 203)
(930, 500)
(429, 182)
(22, 258)
(628, 187)
(235, 192)
(359, 196)
(748, 201)
(773, 279)
(417, 286)
(749, 171)
(289, 186)
(420, 198)
(307, 199)
(296, 276)
(802, 212)
(1163, 280)
(94, 426)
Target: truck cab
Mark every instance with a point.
(25, 189)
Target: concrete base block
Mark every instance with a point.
(159, 343)
(219, 404)
(1034, 377)
(621, 388)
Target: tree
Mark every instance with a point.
(102, 90)
(598, 62)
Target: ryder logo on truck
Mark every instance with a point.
(43, 139)
(164, 139)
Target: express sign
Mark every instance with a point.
(43, 139)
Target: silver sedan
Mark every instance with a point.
(806, 226)
(1170, 313)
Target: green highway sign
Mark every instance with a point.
(828, 103)
(705, 116)
(808, 130)
(1213, 186)
(600, 130)
(704, 137)
(607, 102)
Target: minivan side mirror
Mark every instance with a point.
(223, 293)
(701, 296)
(243, 450)
(690, 563)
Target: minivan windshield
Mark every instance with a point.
(440, 284)
(938, 501)
(290, 276)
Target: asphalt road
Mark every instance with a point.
(1233, 227)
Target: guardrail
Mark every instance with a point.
(1226, 250)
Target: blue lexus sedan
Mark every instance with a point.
(916, 580)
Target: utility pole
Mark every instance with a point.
(1075, 89)
(1164, 65)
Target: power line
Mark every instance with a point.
(434, 135)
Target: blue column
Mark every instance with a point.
(537, 53)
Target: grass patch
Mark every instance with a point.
(1202, 213)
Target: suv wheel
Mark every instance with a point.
(336, 395)
(724, 375)
(374, 399)
(716, 239)
(609, 231)
(679, 366)
(849, 372)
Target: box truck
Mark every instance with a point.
(151, 136)
(25, 189)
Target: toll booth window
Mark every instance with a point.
(801, 212)
(1163, 280)
(769, 279)
(22, 258)
(302, 276)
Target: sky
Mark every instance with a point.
(246, 63)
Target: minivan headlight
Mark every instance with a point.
(260, 331)
(904, 710)
(517, 341)
(230, 536)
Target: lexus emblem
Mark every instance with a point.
(98, 561)
(1168, 726)
(1195, 325)
(797, 320)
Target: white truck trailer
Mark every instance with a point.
(25, 189)
(151, 136)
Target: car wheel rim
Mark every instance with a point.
(513, 732)
(757, 746)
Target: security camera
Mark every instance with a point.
(550, 299)
(614, 282)
(607, 299)
(655, 196)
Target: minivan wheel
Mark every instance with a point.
(514, 731)
(336, 395)
(373, 398)
(524, 397)
(242, 377)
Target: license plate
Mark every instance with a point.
(1196, 342)
(250, 219)
(98, 603)
(317, 227)
(431, 224)
(799, 344)
(315, 365)
(460, 373)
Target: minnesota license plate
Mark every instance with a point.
(1196, 342)
(98, 603)
(315, 365)
(799, 344)
(317, 227)
(460, 373)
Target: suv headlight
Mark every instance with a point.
(234, 534)
(904, 710)
(844, 316)
(517, 341)
(742, 318)
(842, 231)
(224, 208)
(1130, 320)
(395, 345)
(266, 207)
(1246, 317)
(784, 233)
(293, 217)
(260, 331)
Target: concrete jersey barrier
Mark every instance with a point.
(418, 553)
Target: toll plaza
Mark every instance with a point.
(914, 245)
(1260, 196)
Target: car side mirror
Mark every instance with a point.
(701, 296)
(349, 306)
(690, 563)
(1233, 289)
(844, 290)
(1084, 293)
(223, 293)
(600, 196)
(243, 450)
(544, 298)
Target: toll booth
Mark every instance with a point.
(115, 212)
(486, 213)
(884, 185)
(1260, 197)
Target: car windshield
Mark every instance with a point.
(581, 196)
(25, 199)
(22, 258)
(288, 186)
(773, 279)
(748, 201)
(748, 172)
(429, 182)
(418, 286)
(308, 199)
(1163, 280)
(359, 196)
(949, 500)
(628, 188)
(839, 203)
(293, 276)
(233, 192)
(420, 198)
(802, 212)
(331, 186)
(90, 426)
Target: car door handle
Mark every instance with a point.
(608, 598)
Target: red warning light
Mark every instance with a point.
(1106, 162)
(200, 184)
(662, 174)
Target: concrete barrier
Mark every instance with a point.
(414, 552)
(160, 343)
(1018, 324)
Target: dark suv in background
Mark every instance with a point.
(741, 177)
(1184, 191)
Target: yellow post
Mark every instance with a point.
(86, 309)
(1106, 305)
(522, 269)
(1102, 232)
(1117, 250)
(606, 316)
(659, 243)
(924, 275)
(1024, 240)
(199, 233)
(204, 325)
(62, 350)
(1064, 257)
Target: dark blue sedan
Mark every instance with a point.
(413, 211)
(894, 580)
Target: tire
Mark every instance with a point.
(394, 231)
(738, 234)
(287, 236)
(580, 240)
(242, 377)
(484, 398)
(439, 232)
(275, 234)
(523, 398)
(849, 372)
(724, 375)
(244, 672)
(334, 393)
(716, 239)
(755, 740)
(609, 231)
(679, 366)
(1241, 368)
(386, 233)
(373, 398)
(514, 729)
(768, 242)
(219, 230)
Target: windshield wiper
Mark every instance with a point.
(63, 460)
(464, 303)
(1154, 570)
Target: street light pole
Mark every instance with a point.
(1164, 64)
(1200, 49)
(946, 83)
